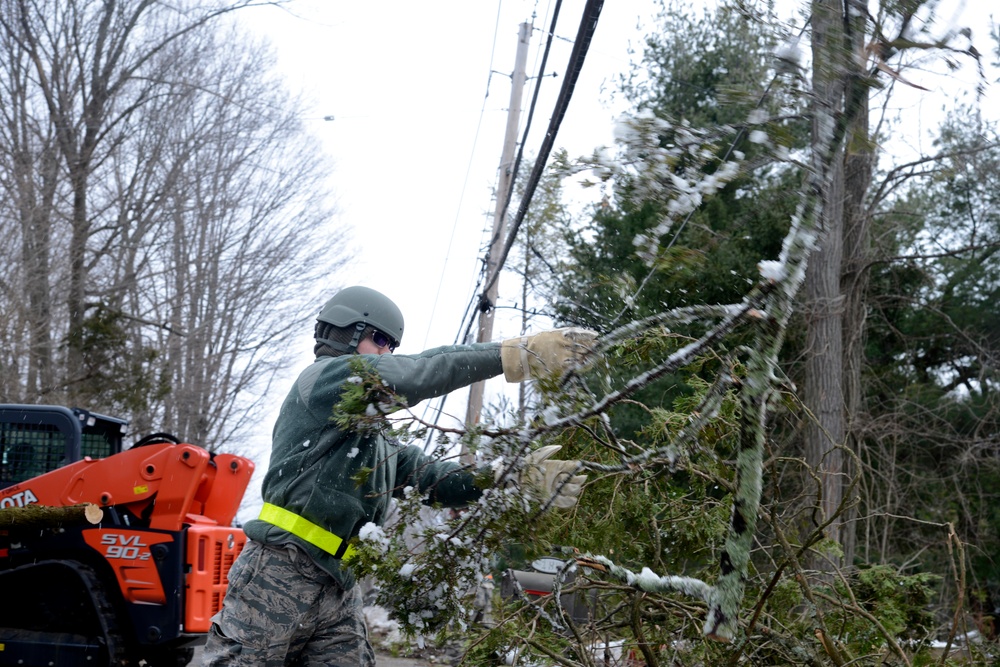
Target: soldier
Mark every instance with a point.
(292, 599)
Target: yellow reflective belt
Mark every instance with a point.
(306, 530)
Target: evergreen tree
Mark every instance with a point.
(707, 72)
(671, 552)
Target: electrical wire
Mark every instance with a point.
(509, 195)
(585, 34)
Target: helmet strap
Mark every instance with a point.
(347, 348)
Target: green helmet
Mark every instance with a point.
(361, 307)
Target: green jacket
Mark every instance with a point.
(313, 461)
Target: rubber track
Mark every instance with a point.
(103, 606)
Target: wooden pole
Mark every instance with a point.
(487, 311)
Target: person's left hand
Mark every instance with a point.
(545, 354)
(547, 477)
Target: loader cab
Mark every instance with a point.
(36, 439)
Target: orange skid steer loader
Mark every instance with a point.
(142, 584)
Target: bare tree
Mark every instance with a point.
(30, 177)
(168, 206)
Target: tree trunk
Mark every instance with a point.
(36, 242)
(859, 162)
(823, 393)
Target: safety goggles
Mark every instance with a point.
(382, 340)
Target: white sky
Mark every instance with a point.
(415, 144)
(416, 141)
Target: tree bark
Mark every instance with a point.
(823, 394)
(42, 516)
(859, 163)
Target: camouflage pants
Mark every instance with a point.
(281, 609)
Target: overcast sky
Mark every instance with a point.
(419, 95)
(416, 141)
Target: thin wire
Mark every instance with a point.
(468, 168)
(515, 170)
(588, 24)
(437, 295)
(585, 33)
(531, 113)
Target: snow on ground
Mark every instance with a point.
(382, 630)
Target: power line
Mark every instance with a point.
(467, 324)
(509, 195)
(588, 24)
(468, 169)
(585, 33)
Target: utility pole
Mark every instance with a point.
(487, 311)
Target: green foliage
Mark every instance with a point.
(365, 400)
(424, 593)
(901, 603)
(119, 377)
(676, 519)
(932, 348)
(712, 255)
(929, 393)
(710, 69)
(540, 250)
(657, 506)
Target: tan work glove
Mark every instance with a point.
(545, 354)
(546, 478)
